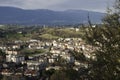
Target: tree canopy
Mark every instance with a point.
(107, 40)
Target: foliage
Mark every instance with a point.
(62, 32)
(107, 41)
(48, 72)
(30, 52)
(59, 75)
(78, 55)
(2, 53)
(48, 36)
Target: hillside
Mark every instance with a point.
(11, 15)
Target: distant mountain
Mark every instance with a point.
(12, 15)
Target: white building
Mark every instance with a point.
(35, 65)
(14, 58)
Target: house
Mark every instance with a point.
(18, 41)
(7, 72)
(71, 47)
(55, 68)
(77, 63)
(11, 52)
(3, 48)
(35, 65)
(35, 45)
(77, 29)
(15, 58)
(31, 73)
(48, 43)
(54, 43)
(57, 51)
(60, 39)
(13, 45)
(16, 46)
(33, 40)
(77, 68)
(94, 26)
(68, 58)
(68, 39)
(51, 60)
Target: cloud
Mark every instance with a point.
(97, 5)
(33, 4)
(30, 4)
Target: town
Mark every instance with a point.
(31, 57)
(60, 40)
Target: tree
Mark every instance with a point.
(106, 39)
(2, 56)
(59, 75)
(2, 53)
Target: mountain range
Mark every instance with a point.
(13, 15)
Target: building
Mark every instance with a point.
(15, 58)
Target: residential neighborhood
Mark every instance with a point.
(55, 54)
(59, 39)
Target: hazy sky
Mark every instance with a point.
(95, 5)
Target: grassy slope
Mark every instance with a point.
(11, 33)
